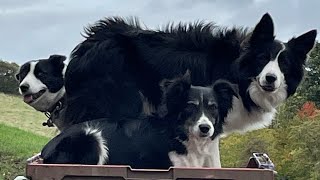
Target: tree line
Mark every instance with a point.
(8, 83)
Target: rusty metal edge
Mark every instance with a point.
(36, 171)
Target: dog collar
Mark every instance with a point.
(53, 113)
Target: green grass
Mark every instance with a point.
(14, 112)
(16, 146)
(21, 135)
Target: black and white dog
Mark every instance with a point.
(119, 61)
(119, 65)
(181, 133)
(41, 83)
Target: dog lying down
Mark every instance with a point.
(181, 133)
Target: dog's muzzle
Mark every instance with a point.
(204, 130)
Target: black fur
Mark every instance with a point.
(48, 71)
(119, 60)
(146, 141)
(41, 84)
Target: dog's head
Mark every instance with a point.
(199, 111)
(270, 70)
(41, 82)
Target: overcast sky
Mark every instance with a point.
(33, 29)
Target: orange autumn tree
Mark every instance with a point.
(308, 110)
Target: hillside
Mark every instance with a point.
(14, 112)
(21, 135)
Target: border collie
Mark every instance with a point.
(118, 56)
(41, 83)
(181, 133)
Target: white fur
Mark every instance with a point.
(213, 160)
(65, 62)
(20, 178)
(202, 120)
(199, 151)
(31, 80)
(210, 102)
(195, 102)
(272, 68)
(147, 107)
(47, 100)
(103, 154)
(268, 101)
(240, 119)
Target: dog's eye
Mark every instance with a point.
(190, 109)
(212, 104)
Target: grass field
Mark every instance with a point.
(14, 112)
(21, 135)
(16, 146)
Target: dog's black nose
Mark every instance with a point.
(24, 88)
(271, 78)
(204, 128)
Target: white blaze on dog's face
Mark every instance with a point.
(202, 112)
(41, 82)
(203, 127)
(271, 78)
(30, 83)
(271, 70)
(269, 87)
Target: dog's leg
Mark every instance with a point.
(213, 159)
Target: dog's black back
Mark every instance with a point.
(119, 61)
(146, 141)
(138, 144)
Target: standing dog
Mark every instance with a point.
(119, 65)
(119, 61)
(181, 133)
(41, 83)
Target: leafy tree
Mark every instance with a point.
(8, 83)
(293, 141)
(310, 88)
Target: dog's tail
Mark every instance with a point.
(76, 145)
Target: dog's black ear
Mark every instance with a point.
(225, 88)
(263, 31)
(303, 44)
(224, 92)
(57, 59)
(175, 92)
(177, 84)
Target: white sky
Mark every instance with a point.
(33, 29)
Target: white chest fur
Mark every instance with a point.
(240, 120)
(199, 154)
